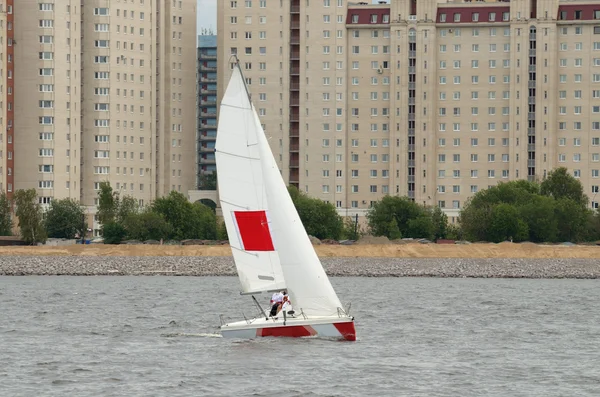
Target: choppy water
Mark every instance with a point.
(156, 336)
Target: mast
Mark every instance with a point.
(237, 63)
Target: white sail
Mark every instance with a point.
(307, 284)
(241, 191)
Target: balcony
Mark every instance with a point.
(295, 55)
(294, 176)
(294, 162)
(294, 132)
(207, 102)
(411, 178)
(531, 147)
(531, 131)
(295, 70)
(411, 147)
(206, 149)
(208, 79)
(295, 39)
(295, 86)
(295, 9)
(294, 147)
(209, 57)
(411, 163)
(210, 113)
(295, 101)
(295, 24)
(531, 163)
(206, 68)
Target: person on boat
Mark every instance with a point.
(286, 307)
(276, 302)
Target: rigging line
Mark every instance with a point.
(235, 205)
(234, 106)
(245, 252)
(237, 155)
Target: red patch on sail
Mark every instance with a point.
(254, 230)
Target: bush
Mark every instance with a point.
(113, 232)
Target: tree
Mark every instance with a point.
(559, 184)
(221, 230)
(147, 225)
(539, 216)
(476, 215)
(572, 218)
(6, 222)
(113, 232)
(208, 181)
(505, 224)
(189, 221)
(125, 207)
(440, 223)
(31, 216)
(319, 218)
(65, 218)
(403, 210)
(108, 203)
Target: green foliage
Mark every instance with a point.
(454, 232)
(147, 225)
(208, 181)
(108, 203)
(65, 218)
(221, 230)
(505, 224)
(410, 219)
(351, 230)
(125, 207)
(393, 230)
(31, 216)
(189, 221)
(6, 222)
(560, 185)
(521, 210)
(440, 223)
(113, 232)
(319, 218)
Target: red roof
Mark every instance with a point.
(587, 12)
(467, 14)
(362, 16)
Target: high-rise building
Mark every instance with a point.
(434, 100)
(207, 108)
(104, 92)
(5, 170)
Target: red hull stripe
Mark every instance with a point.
(254, 230)
(296, 331)
(347, 330)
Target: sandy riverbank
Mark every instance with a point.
(413, 250)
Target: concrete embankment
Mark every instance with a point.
(19, 265)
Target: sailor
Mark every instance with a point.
(276, 302)
(287, 305)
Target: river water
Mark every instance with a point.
(158, 336)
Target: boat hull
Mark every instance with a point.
(323, 327)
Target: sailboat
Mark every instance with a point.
(269, 244)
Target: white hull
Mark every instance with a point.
(295, 327)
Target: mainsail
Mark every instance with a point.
(241, 191)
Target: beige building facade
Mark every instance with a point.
(105, 91)
(434, 100)
(3, 97)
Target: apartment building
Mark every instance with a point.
(207, 106)
(434, 100)
(104, 92)
(5, 80)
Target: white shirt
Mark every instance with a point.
(277, 297)
(287, 306)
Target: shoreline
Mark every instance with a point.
(203, 266)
